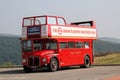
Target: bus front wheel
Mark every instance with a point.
(53, 66)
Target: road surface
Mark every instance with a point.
(73, 73)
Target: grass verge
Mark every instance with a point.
(7, 65)
(113, 58)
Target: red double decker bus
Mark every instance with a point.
(47, 41)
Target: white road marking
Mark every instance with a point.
(11, 78)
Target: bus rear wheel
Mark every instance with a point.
(87, 62)
(53, 66)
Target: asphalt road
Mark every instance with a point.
(73, 73)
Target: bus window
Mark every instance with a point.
(51, 45)
(28, 22)
(40, 20)
(86, 45)
(60, 21)
(37, 45)
(51, 20)
(62, 45)
(27, 45)
(78, 44)
(70, 44)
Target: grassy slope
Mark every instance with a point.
(113, 58)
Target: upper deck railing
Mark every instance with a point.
(43, 20)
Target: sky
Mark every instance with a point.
(105, 13)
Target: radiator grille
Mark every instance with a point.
(33, 61)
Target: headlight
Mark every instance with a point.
(24, 60)
(44, 60)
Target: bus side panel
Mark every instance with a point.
(70, 57)
(64, 57)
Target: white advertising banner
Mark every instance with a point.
(62, 31)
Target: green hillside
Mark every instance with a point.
(10, 50)
(101, 46)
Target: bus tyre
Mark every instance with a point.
(86, 62)
(53, 66)
(27, 69)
